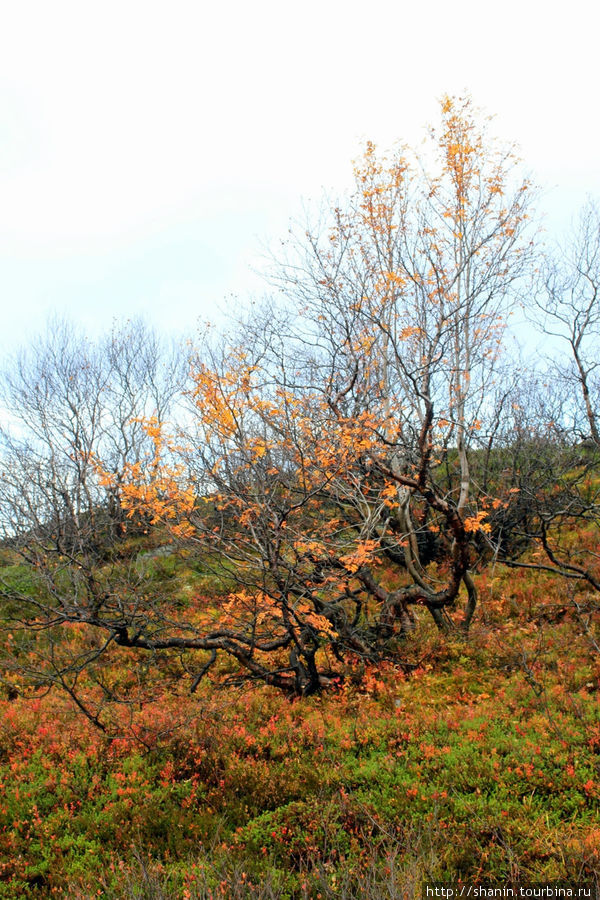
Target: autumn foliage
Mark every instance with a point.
(311, 610)
(342, 462)
(318, 444)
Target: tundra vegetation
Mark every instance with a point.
(312, 609)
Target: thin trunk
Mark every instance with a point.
(589, 410)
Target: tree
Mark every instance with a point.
(551, 431)
(415, 273)
(70, 403)
(327, 466)
(334, 438)
(568, 308)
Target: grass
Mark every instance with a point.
(484, 765)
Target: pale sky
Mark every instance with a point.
(149, 151)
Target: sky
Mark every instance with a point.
(150, 153)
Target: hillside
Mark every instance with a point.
(482, 764)
(309, 607)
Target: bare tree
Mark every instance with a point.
(71, 403)
(567, 307)
(550, 432)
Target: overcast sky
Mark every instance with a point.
(148, 151)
